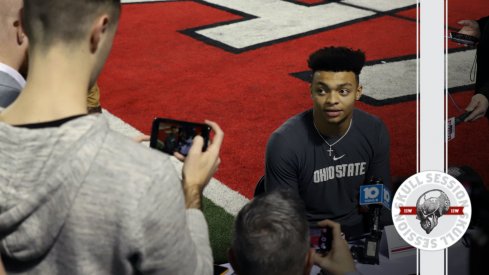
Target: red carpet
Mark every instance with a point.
(155, 70)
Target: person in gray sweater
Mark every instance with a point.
(75, 196)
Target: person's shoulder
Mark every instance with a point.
(295, 125)
(292, 130)
(364, 119)
(140, 158)
(125, 159)
(368, 125)
(291, 135)
(130, 171)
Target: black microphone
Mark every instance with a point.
(376, 195)
(461, 118)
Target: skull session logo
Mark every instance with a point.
(431, 210)
(430, 206)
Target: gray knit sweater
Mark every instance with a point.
(82, 199)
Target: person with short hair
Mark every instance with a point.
(75, 196)
(324, 154)
(13, 52)
(271, 236)
(14, 60)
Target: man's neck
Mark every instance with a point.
(331, 129)
(56, 88)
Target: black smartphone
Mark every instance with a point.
(321, 239)
(463, 38)
(169, 135)
(220, 270)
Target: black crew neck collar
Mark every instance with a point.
(49, 124)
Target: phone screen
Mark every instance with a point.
(169, 136)
(321, 238)
(220, 270)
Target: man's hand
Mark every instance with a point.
(338, 260)
(199, 167)
(477, 106)
(141, 138)
(470, 27)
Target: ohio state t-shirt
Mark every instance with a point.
(298, 158)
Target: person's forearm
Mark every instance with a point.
(193, 196)
(483, 89)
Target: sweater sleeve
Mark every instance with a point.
(482, 22)
(170, 239)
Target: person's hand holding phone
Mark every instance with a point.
(477, 107)
(338, 260)
(141, 138)
(199, 167)
(470, 27)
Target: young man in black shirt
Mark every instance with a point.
(327, 152)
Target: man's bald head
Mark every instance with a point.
(13, 51)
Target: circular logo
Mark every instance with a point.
(431, 210)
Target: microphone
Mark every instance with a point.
(375, 193)
(461, 118)
(376, 196)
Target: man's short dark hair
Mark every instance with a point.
(49, 21)
(271, 235)
(337, 59)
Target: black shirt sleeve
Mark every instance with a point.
(380, 165)
(482, 78)
(280, 164)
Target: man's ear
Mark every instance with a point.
(309, 261)
(21, 37)
(359, 91)
(232, 260)
(19, 29)
(99, 28)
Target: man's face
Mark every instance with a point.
(334, 95)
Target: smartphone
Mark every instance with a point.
(170, 136)
(220, 270)
(463, 38)
(321, 239)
